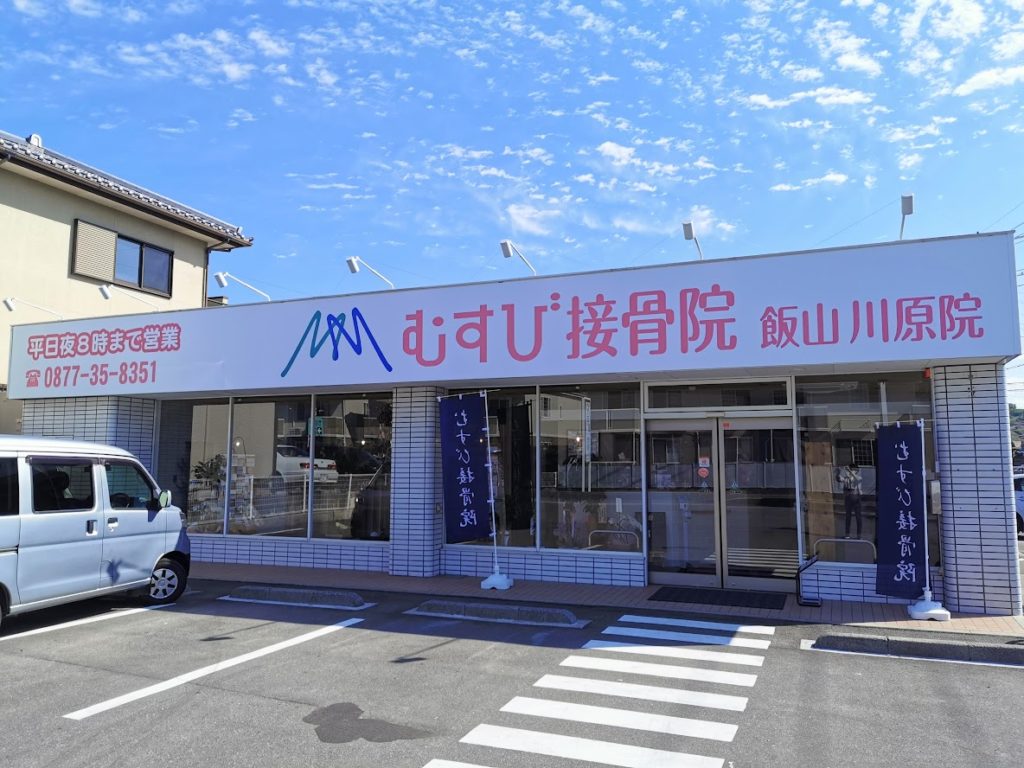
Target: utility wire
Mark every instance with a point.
(858, 221)
(995, 221)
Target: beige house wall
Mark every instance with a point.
(36, 244)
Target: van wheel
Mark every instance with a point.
(167, 582)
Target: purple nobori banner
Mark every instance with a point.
(464, 467)
(901, 511)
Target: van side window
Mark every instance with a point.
(129, 488)
(62, 485)
(8, 487)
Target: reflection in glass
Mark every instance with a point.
(270, 467)
(838, 452)
(352, 442)
(681, 501)
(590, 468)
(193, 460)
(760, 503)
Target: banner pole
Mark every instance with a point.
(497, 579)
(926, 607)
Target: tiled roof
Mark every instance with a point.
(26, 154)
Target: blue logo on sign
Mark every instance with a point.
(334, 333)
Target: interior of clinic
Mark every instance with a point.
(718, 482)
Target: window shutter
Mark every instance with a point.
(94, 251)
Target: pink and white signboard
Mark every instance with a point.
(942, 300)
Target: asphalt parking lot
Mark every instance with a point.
(208, 682)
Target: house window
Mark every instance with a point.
(142, 266)
(106, 255)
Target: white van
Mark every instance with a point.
(79, 520)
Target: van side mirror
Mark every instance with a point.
(165, 499)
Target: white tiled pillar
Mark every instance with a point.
(417, 527)
(127, 422)
(978, 530)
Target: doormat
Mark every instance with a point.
(773, 601)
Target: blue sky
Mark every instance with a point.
(417, 134)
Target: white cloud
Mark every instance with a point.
(832, 177)
(801, 74)
(321, 74)
(240, 116)
(269, 45)
(1009, 45)
(531, 154)
(912, 132)
(527, 218)
(706, 222)
(367, 135)
(826, 96)
(834, 40)
(464, 153)
(870, 181)
(616, 152)
(999, 77)
(34, 8)
(907, 162)
(584, 178)
(89, 8)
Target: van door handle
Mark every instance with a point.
(112, 522)
(90, 527)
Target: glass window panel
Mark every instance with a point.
(62, 486)
(193, 460)
(590, 467)
(352, 483)
(511, 416)
(733, 395)
(271, 470)
(128, 487)
(838, 453)
(126, 261)
(156, 269)
(8, 487)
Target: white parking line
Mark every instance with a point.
(661, 670)
(591, 750)
(80, 622)
(676, 652)
(452, 764)
(643, 692)
(188, 677)
(688, 637)
(621, 718)
(756, 629)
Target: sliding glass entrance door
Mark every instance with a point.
(721, 502)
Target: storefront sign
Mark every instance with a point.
(465, 463)
(901, 511)
(947, 299)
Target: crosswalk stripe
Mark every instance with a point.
(661, 670)
(676, 652)
(643, 692)
(592, 750)
(755, 629)
(687, 637)
(621, 718)
(452, 764)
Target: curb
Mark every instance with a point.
(888, 645)
(499, 612)
(317, 598)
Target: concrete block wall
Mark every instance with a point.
(127, 422)
(267, 550)
(979, 535)
(417, 526)
(568, 566)
(853, 582)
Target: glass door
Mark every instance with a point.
(758, 503)
(682, 502)
(721, 503)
